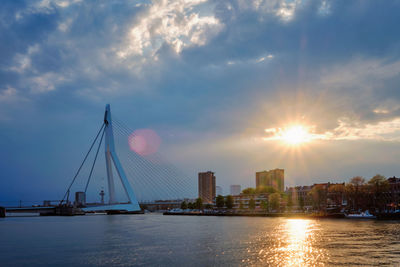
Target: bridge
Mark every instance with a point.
(142, 173)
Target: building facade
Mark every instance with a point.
(261, 202)
(273, 178)
(303, 198)
(391, 196)
(242, 201)
(235, 189)
(207, 187)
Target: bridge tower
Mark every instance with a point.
(112, 159)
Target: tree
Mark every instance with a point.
(252, 204)
(198, 204)
(378, 185)
(301, 203)
(249, 191)
(289, 203)
(219, 201)
(336, 191)
(349, 190)
(357, 181)
(265, 190)
(184, 205)
(318, 196)
(356, 190)
(229, 202)
(190, 205)
(264, 205)
(274, 201)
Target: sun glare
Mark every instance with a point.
(296, 135)
(293, 135)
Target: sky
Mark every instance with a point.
(217, 81)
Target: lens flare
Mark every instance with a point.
(144, 142)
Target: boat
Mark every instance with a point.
(362, 215)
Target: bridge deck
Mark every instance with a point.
(29, 209)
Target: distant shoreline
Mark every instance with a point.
(285, 215)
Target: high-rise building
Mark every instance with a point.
(207, 186)
(236, 189)
(218, 190)
(273, 178)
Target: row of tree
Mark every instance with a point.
(273, 203)
(198, 204)
(259, 190)
(220, 202)
(359, 193)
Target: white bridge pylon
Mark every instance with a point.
(112, 159)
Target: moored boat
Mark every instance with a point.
(362, 215)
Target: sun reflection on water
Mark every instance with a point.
(298, 250)
(291, 243)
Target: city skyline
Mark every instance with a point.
(233, 87)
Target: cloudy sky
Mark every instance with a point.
(218, 81)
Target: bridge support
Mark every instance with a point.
(112, 159)
(110, 149)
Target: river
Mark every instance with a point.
(157, 240)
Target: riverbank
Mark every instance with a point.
(244, 214)
(381, 216)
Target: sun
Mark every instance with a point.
(295, 135)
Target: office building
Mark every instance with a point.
(207, 187)
(273, 178)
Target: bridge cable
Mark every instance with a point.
(83, 162)
(145, 168)
(160, 172)
(168, 170)
(141, 169)
(164, 169)
(94, 161)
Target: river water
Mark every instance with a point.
(157, 240)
